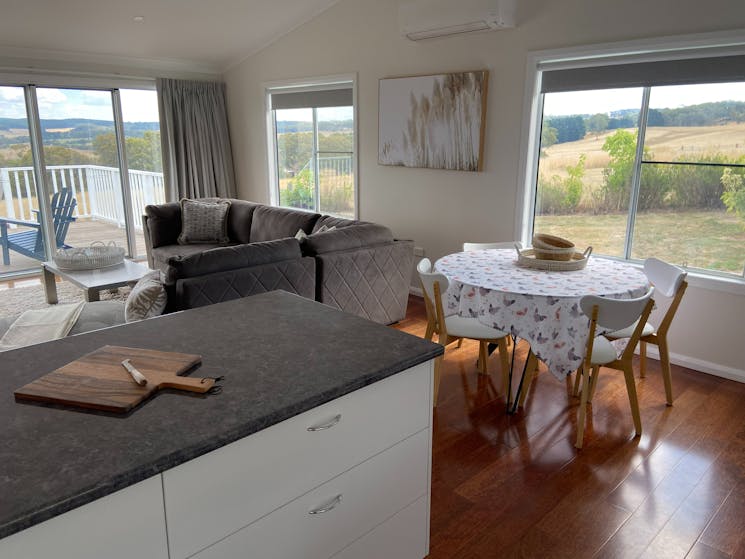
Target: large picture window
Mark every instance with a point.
(313, 147)
(646, 160)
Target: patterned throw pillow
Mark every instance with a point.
(147, 299)
(204, 221)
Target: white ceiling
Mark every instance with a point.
(210, 34)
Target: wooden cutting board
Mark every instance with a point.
(99, 381)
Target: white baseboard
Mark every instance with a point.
(416, 291)
(699, 365)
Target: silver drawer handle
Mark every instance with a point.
(328, 425)
(328, 506)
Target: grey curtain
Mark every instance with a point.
(197, 158)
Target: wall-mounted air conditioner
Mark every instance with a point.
(427, 19)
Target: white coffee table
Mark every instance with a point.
(91, 281)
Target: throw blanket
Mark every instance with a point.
(42, 325)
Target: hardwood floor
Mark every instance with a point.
(515, 486)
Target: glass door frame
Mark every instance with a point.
(29, 84)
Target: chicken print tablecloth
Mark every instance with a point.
(539, 306)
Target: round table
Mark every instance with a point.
(538, 306)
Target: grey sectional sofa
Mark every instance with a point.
(358, 267)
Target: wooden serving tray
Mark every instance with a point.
(98, 380)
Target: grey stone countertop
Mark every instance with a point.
(280, 354)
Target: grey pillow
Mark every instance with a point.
(147, 299)
(204, 221)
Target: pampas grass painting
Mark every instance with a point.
(435, 121)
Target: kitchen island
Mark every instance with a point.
(319, 444)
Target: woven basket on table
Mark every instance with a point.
(97, 255)
(550, 247)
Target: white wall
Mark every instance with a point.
(441, 209)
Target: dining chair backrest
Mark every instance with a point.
(665, 277)
(424, 266)
(428, 283)
(615, 314)
(485, 246)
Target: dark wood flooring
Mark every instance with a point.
(515, 486)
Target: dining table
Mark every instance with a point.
(539, 306)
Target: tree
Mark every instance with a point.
(598, 123)
(568, 128)
(734, 192)
(143, 154)
(548, 135)
(616, 189)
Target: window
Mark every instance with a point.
(77, 147)
(312, 139)
(646, 159)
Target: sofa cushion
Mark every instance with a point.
(147, 298)
(345, 238)
(331, 221)
(163, 223)
(269, 223)
(162, 254)
(94, 316)
(239, 220)
(204, 221)
(223, 259)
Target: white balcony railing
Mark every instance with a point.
(96, 188)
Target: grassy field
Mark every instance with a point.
(712, 240)
(665, 143)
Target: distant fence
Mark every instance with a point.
(97, 190)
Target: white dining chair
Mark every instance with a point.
(611, 314)
(486, 246)
(454, 327)
(669, 281)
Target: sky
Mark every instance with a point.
(661, 97)
(137, 105)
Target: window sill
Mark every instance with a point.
(701, 280)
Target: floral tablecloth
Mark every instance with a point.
(538, 306)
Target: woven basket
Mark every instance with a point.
(95, 256)
(550, 247)
(529, 259)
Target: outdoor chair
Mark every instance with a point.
(610, 314)
(31, 243)
(454, 327)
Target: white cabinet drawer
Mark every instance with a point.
(357, 501)
(403, 536)
(219, 493)
(126, 524)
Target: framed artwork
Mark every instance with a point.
(434, 122)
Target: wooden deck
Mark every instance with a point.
(82, 233)
(515, 486)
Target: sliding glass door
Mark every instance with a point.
(98, 151)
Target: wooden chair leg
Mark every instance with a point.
(429, 334)
(483, 356)
(642, 359)
(665, 364)
(593, 384)
(628, 374)
(530, 369)
(438, 376)
(505, 360)
(577, 381)
(582, 415)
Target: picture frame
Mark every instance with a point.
(434, 121)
